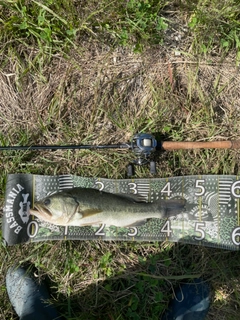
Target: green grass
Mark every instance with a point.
(97, 72)
(218, 29)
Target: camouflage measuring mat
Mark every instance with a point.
(211, 216)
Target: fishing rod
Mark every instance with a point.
(64, 147)
(143, 146)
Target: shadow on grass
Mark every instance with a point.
(144, 290)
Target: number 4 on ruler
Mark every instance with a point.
(166, 228)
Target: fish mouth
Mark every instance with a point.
(38, 211)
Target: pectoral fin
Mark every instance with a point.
(89, 212)
(81, 214)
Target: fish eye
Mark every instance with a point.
(47, 202)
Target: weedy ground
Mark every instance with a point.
(94, 72)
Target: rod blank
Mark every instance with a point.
(68, 147)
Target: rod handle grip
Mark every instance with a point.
(171, 145)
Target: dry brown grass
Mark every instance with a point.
(106, 90)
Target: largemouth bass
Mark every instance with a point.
(85, 207)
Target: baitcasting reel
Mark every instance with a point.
(143, 146)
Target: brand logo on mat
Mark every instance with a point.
(24, 208)
(11, 209)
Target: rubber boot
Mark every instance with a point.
(29, 298)
(191, 302)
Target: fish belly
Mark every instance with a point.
(119, 219)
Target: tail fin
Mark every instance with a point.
(172, 207)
